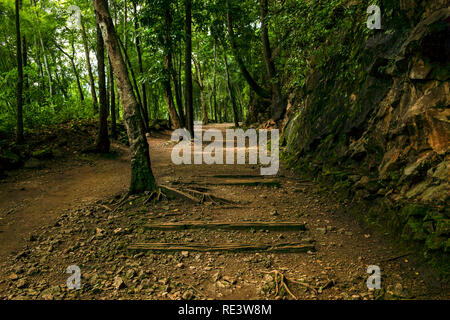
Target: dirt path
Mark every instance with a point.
(96, 235)
(33, 198)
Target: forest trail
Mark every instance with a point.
(94, 231)
(32, 198)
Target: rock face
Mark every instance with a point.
(385, 136)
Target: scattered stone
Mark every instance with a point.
(185, 254)
(13, 277)
(118, 283)
(22, 283)
(188, 295)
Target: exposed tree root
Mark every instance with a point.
(283, 280)
(194, 195)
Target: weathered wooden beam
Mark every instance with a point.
(234, 182)
(227, 247)
(295, 226)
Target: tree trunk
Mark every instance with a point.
(125, 17)
(156, 105)
(141, 69)
(174, 119)
(278, 107)
(215, 82)
(74, 68)
(103, 143)
(169, 97)
(177, 94)
(25, 64)
(230, 92)
(47, 67)
(139, 100)
(198, 71)
(241, 103)
(89, 68)
(112, 102)
(19, 88)
(211, 111)
(188, 99)
(252, 83)
(142, 178)
(80, 90)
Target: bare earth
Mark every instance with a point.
(70, 213)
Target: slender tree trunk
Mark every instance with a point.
(278, 107)
(80, 89)
(169, 97)
(174, 118)
(74, 68)
(47, 68)
(180, 85)
(241, 103)
(177, 94)
(125, 18)
(188, 99)
(230, 91)
(102, 143)
(260, 91)
(138, 95)
(211, 111)
(25, 64)
(89, 68)
(142, 178)
(19, 88)
(112, 102)
(156, 105)
(198, 71)
(61, 87)
(215, 82)
(141, 69)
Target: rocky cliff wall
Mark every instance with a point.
(381, 134)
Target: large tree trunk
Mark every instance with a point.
(142, 178)
(19, 88)
(230, 91)
(89, 68)
(188, 99)
(102, 144)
